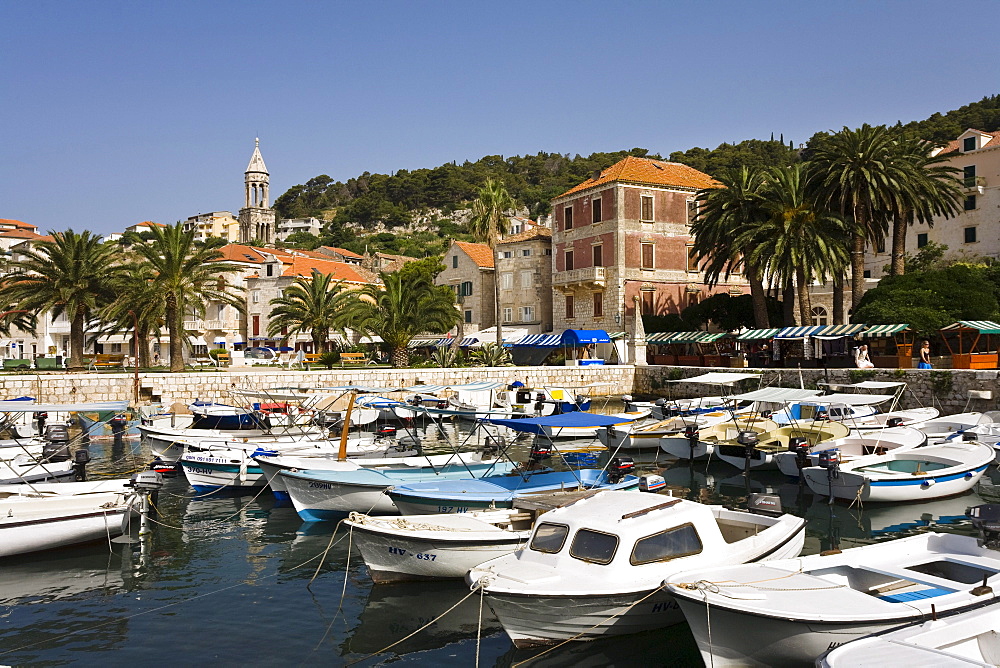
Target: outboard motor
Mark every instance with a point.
(442, 404)
(894, 422)
(415, 400)
(692, 434)
(986, 520)
(386, 431)
(799, 446)
(619, 467)
(540, 452)
(970, 436)
(523, 396)
(80, 460)
(822, 415)
(41, 417)
(118, 424)
(56, 448)
(761, 503)
(830, 460)
(749, 441)
(627, 400)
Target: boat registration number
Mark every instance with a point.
(453, 509)
(423, 556)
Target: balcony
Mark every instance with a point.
(974, 185)
(586, 277)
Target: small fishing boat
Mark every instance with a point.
(167, 444)
(789, 612)
(752, 451)
(967, 639)
(947, 426)
(697, 441)
(594, 568)
(44, 516)
(330, 495)
(857, 444)
(930, 472)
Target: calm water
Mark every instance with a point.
(229, 580)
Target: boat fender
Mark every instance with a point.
(927, 484)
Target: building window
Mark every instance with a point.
(569, 260)
(970, 235)
(569, 306)
(646, 208)
(256, 296)
(468, 316)
(595, 207)
(527, 279)
(868, 273)
(880, 245)
(921, 240)
(692, 210)
(568, 218)
(970, 202)
(692, 259)
(818, 315)
(527, 314)
(454, 262)
(255, 328)
(507, 255)
(465, 289)
(969, 176)
(598, 255)
(647, 302)
(508, 314)
(507, 280)
(648, 256)
(526, 252)
(598, 304)
(269, 270)
(548, 251)
(969, 144)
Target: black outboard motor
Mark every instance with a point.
(970, 436)
(523, 396)
(540, 452)
(894, 422)
(442, 404)
(749, 441)
(80, 460)
(118, 424)
(986, 520)
(799, 446)
(619, 467)
(56, 448)
(692, 434)
(386, 431)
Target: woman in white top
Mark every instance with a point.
(861, 360)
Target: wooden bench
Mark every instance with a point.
(311, 358)
(223, 359)
(353, 358)
(201, 361)
(106, 361)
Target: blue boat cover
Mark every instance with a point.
(577, 337)
(574, 419)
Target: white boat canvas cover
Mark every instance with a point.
(28, 407)
(717, 378)
(854, 399)
(777, 395)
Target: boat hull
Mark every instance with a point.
(206, 473)
(852, 486)
(322, 501)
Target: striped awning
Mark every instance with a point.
(839, 331)
(981, 326)
(614, 336)
(684, 337)
(539, 341)
(425, 342)
(709, 337)
(659, 337)
(799, 332)
(758, 334)
(883, 330)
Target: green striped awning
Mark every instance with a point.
(883, 330)
(838, 331)
(614, 336)
(758, 334)
(659, 337)
(981, 326)
(709, 338)
(686, 337)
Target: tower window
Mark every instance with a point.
(970, 235)
(569, 260)
(568, 218)
(970, 203)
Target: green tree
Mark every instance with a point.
(728, 312)
(403, 306)
(725, 213)
(71, 275)
(309, 305)
(488, 224)
(186, 276)
(134, 306)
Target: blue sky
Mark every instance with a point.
(119, 112)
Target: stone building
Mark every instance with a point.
(469, 270)
(624, 234)
(525, 261)
(256, 216)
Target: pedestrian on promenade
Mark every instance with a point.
(925, 356)
(861, 360)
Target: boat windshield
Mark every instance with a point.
(680, 541)
(549, 537)
(596, 547)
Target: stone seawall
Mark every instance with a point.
(946, 389)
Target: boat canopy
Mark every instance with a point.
(884, 330)
(853, 399)
(574, 419)
(717, 378)
(581, 337)
(758, 334)
(875, 384)
(355, 388)
(776, 394)
(467, 387)
(25, 407)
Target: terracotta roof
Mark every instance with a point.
(22, 234)
(955, 145)
(343, 251)
(239, 253)
(149, 223)
(654, 172)
(536, 232)
(9, 222)
(341, 271)
(481, 254)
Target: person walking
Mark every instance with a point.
(925, 356)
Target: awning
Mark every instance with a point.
(659, 337)
(540, 341)
(683, 337)
(718, 378)
(468, 341)
(776, 395)
(709, 337)
(758, 334)
(883, 330)
(616, 335)
(853, 399)
(424, 342)
(582, 337)
(799, 332)
(370, 339)
(981, 326)
(574, 419)
(219, 339)
(839, 331)
(197, 341)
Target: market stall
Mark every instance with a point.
(580, 346)
(755, 344)
(835, 343)
(889, 346)
(972, 344)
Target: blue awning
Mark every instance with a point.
(581, 337)
(539, 341)
(574, 419)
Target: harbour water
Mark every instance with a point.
(235, 580)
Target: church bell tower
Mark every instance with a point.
(256, 216)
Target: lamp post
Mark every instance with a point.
(135, 350)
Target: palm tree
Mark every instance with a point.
(489, 222)
(135, 306)
(71, 274)
(185, 276)
(725, 213)
(308, 305)
(856, 175)
(403, 306)
(798, 241)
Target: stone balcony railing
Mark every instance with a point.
(585, 276)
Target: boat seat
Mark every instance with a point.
(905, 596)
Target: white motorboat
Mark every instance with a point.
(947, 426)
(43, 516)
(697, 441)
(857, 444)
(431, 547)
(571, 430)
(967, 639)
(790, 612)
(594, 568)
(930, 472)
(167, 444)
(758, 451)
(25, 468)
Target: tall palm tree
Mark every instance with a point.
(798, 241)
(185, 276)
(724, 213)
(488, 224)
(134, 306)
(71, 274)
(856, 175)
(308, 305)
(403, 306)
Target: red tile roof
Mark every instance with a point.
(653, 172)
(239, 253)
(22, 234)
(481, 254)
(341, 271)
(344, 252)
(9, 222)
(536, 232)
(955, 145)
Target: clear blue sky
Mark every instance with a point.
(119, 112)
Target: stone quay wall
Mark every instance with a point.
(946, 389)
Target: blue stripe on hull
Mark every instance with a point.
(317, 515)
(920, 481)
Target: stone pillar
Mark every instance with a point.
(637, 337)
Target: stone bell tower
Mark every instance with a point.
(256, 216)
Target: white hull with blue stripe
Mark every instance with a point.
(930, 472)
